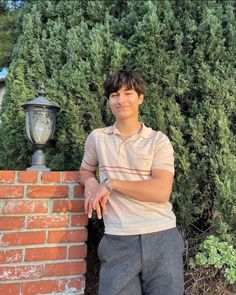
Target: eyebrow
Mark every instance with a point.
(126, 89)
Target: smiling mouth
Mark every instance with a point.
(121, 107)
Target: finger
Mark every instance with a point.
(95, 203)
(86, 201)
(90, 207)
(104, 204)
(88, 194)
(99, 213)
(86, 204)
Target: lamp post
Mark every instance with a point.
(40, 126)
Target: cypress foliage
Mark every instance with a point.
(7, 36)
(68, 54)
(186, 54)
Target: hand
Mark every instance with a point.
(95, 204)
(95, 198)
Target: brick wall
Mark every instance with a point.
(42, 233)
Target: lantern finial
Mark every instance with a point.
(41, 91)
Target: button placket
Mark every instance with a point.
(122, 147)
(122, 151)
(126, 141)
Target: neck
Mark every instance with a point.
(128, 128)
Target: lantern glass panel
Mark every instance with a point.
(27, 126)
(40, 125)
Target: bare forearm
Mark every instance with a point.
(85, 176)
(152, 190)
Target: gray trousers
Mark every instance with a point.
(147, 264)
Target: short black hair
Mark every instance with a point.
(129, 78)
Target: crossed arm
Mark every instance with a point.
(157, 189)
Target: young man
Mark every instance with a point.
(141, 251)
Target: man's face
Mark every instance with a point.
(124, 103)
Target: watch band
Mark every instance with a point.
(105, 183)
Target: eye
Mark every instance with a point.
(113, 95)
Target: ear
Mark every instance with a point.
(141, 97)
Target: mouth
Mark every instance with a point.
(121, 107)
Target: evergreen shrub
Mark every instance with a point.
(186, 53)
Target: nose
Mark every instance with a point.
(121, 98)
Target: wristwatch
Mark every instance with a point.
(105, 183)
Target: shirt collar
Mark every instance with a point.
(145, 132)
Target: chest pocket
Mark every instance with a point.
(142, 161)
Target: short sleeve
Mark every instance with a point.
(164, 154)
(90, 159)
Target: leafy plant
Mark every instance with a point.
(219, 254)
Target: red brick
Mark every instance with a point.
(7, 176)
(77, 252)
(42, 287)
(68, 206)
(27, 176)
(66, 268)
(79, 220)
(78, 191)
(12, 222)
(47, 191)
(47, 221)
(63, 236)
(49, 177)
(8, 273)
(22, 238)
(10, 256)
(77, 283)
(11, 191)
(10, 289)
(52, 286)
(27, 206)
(71, 176)
(50, 253)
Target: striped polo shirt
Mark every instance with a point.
(133, 159)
